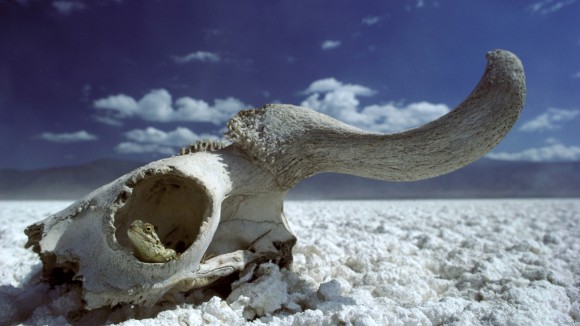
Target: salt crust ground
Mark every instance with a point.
(487, 262)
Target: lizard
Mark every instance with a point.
(146, 244)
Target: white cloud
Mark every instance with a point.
(420, 4)
(332, 85)
(549, 120)
(153, 140)
(136, 148)
(290, 59)
(334, 98)
(553, 151)
(66, 7)
(108, 121)
(330, 44)
(178, 137)
(393, 117)
(189, 109)
(340, 101)
(323, 85)
(124, 105)
(73, 137)
(545, 7)
(552, 141)
(371, 20)
(212, 32)
(158, 106)
(202, 56)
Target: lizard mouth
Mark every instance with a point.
(176, 205)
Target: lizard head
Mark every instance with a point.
(146, 244)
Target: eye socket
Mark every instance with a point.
(148, 228)
(174, 205)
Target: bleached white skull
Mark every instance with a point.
(221, 209)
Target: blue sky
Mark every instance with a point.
(84, 80)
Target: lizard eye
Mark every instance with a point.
(148, 228)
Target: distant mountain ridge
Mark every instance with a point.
(61, 182)
(483, 179)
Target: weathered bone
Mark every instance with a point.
(295, 143)
(222, 211)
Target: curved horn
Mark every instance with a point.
(295, 143)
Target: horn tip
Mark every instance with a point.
(506, 59)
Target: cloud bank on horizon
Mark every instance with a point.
(157, 106)
(554, 150)
(79, 136)
(327, 66)
(327, 95)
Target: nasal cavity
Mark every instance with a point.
(175, 205)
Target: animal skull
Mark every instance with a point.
(221, 210)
